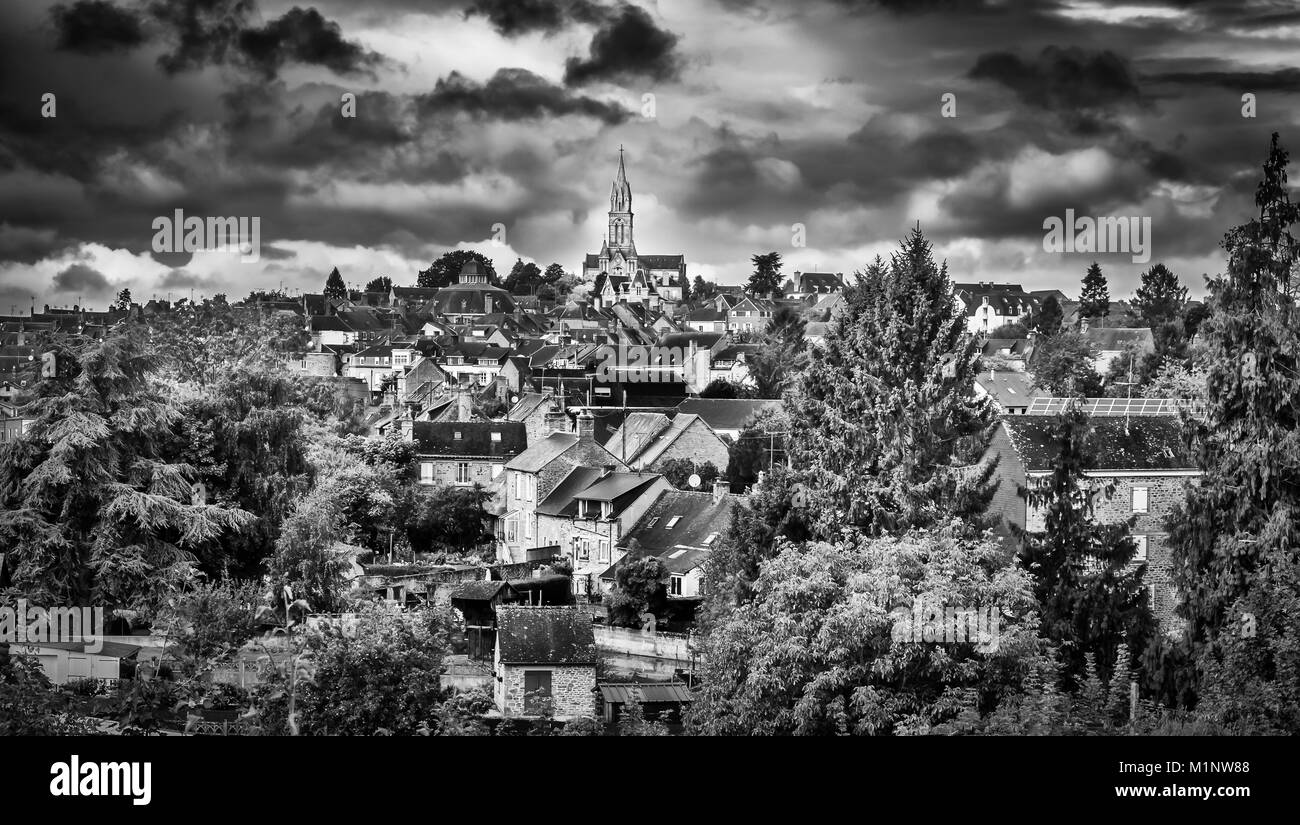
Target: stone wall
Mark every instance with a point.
(573, 688)
(699, 443)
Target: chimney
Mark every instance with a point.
(720, 489)
(464, 405)
(586, 426)
(555, 421)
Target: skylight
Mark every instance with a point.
(708, 542)
(677, 554)
(672, 522)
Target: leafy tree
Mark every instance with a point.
(203, 344)
(639, 587)
(447, 268)
(553, 274)
(1160, 298)
(311, 554)
(381, 284)
(633, 722)
(766, 278)
(1233, 540)
(724, 388)
(761, 443)
(1094, 301)
(1063, 366)
(123, 302)
(823, 647)
(703, 290)
(1176, 380)
(383, 678)
(1050, 317)
(679, 470)
(212, 619)
(890, 434)
(776, 365)
(1089, 597)
(335, 289)
(524, 278)
(1011, 329)
(94, 508)
(30, 705)
(448, 519)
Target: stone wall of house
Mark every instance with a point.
(444, 469)
(562, 531)
(1163, 493)
(699, 444)
(573, 689)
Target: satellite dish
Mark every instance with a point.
(694, 480)
(514, 399)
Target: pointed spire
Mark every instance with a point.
(620, 193)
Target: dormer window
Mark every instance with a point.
(496, 436)
(456, 435)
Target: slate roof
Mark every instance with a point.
(1111, 339)
(439, 438)
(545, 635)
(562, 501)
(543, 452)
(728, 413)
(1002, 297)
(1007, 388)
(1118, 443)
(479, 591)
(661, 261)
(700, 517)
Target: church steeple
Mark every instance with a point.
(620, 209)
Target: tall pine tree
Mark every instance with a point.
(1160, 298)
(1090, 598)
(1094, 301)
(335, 289)
(1235, 538)
(891, 434)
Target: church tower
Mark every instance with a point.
(620, 212)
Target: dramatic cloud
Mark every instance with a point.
(627, 46)
(515, 94)
(81, 279)
(1062, 78)
(303, 36)
(96, 26)
(515, 17)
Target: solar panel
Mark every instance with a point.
(1108, 407)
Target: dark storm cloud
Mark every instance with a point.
(81, 279)
(1281, 80)
(1062, 78)
(181, 279)
(217, 32)
(627, 46)
(304, 36)
(512, 18)
(515, 94)
(96, 26)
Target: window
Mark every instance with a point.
(677, 553)
(426, 472)
(652, 522)
(675, 586)
(537, 689)
(512, 531)
(672, 522)
(456, 435)
(606, 509)
(603, 550)
(1141, 542)
(496, 436)
(1139, 499)
(712, 537)
(462, 472)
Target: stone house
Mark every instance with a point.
(544, 653)
(589, 512)
(1142, 456)
(534, 473)
(648, 441)
(462, 453)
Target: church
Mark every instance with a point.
(618, 272)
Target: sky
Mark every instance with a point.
(496, 126)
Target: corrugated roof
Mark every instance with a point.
(622, 693)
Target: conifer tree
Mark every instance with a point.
(891, 434)
(1090, 598)
(1160, 298)
(1094, 301)
(94, 506)
(1050, 317)
(335, 289)
(1234, 538)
